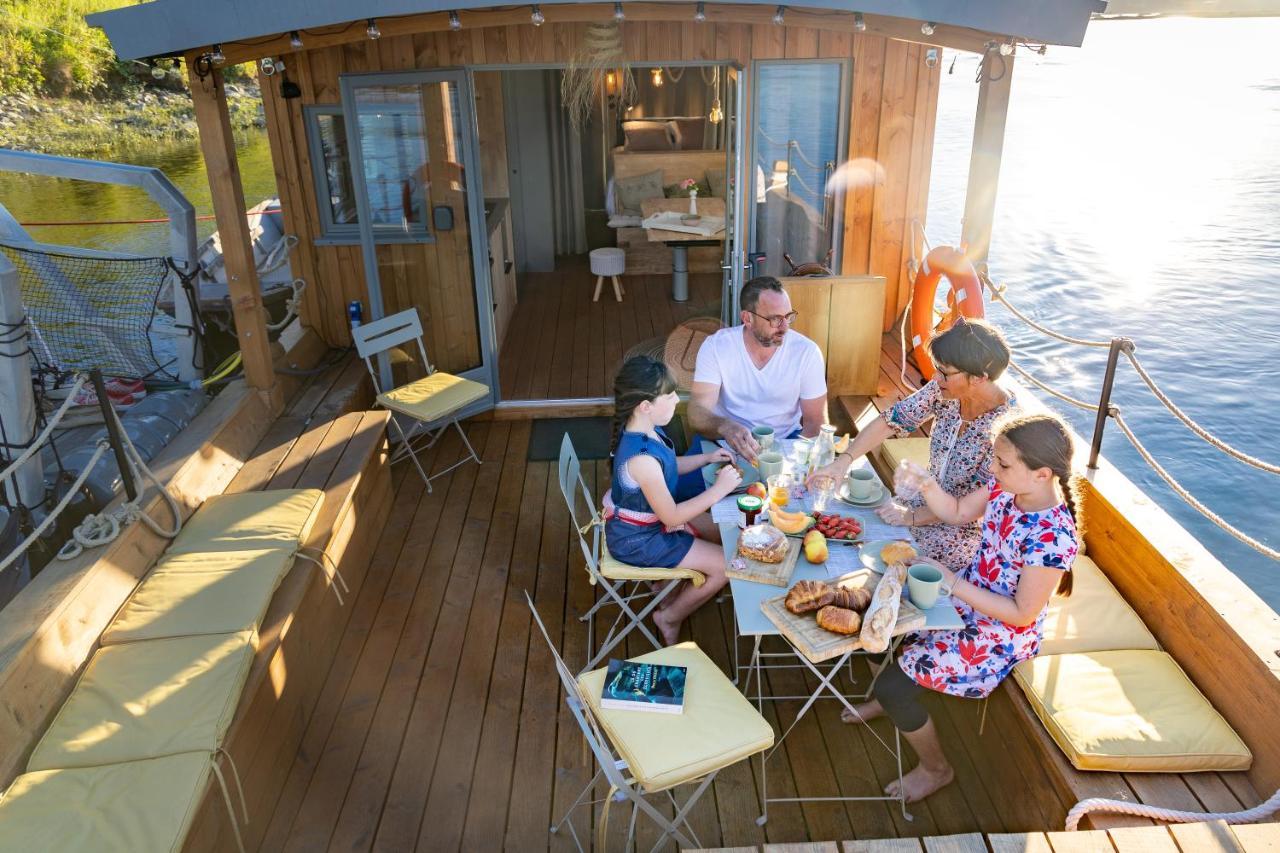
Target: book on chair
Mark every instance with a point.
(633, 686)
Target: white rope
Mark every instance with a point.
(997, 293)
(1100, 804)
(74, 490)
(279, 254)
(34, 447)
(1092, 407)
(98, 529)
(292, 306)
(1187, 496)
(1195, 427)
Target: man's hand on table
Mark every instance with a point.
(741, 441)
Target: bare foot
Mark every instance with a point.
(655, 588)
(867, 712)
(669, 631)
(920, 783)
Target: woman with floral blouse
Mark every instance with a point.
(963, 401)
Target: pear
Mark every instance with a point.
(815, 547)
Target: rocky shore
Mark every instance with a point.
(142, 116)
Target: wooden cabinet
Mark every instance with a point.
(502, 268)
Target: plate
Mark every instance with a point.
(870, 553)
(877, 497)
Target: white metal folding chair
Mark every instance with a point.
(641, 754)
(610, 574)
(436, 398)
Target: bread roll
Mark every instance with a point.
(897, 552)
(764, 543)
(808, 596)
(855, 599)
(840, 620)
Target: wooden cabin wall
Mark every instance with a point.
(894, 102)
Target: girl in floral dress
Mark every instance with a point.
(963, 400)
(1029, 541)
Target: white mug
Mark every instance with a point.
(862, 483)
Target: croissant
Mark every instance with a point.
(840, 620)
(854, 599)
(808, 596)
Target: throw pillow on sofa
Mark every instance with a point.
(632, 191)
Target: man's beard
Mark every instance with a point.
(767, 340)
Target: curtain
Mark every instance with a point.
(568, 216)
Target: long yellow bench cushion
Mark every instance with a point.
(279, 518)
(916, 448)
(1094, 618)
(189, 594)
(718, 727)
(1129, 711)
(148, 699)
(130, 807)
(432, 397)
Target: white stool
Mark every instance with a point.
(608, 262)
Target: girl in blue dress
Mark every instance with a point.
(644, 526)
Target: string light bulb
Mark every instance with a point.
(1006, 48)
(618, 14)
(717, 114)
(536, 16)
(657, 76)
(928, 27)
(780, 15)
(371, 29)
(859, 23)
(295, 40)
(157, 73)
(217, 57)
(700, 12)
(455, 23)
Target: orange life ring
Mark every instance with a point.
(964, 300)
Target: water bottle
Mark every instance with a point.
(824, 448)
(355, 311)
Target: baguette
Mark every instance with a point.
(881, 617)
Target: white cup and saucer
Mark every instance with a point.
(862, 488)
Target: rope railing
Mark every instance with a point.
(1091, 407)
(997, 293)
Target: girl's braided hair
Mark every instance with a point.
(640, 379)
(1043, 441)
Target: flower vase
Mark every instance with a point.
(693, 202)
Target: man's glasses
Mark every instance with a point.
(779, 319)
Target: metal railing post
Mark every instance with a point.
(1118, 345)
(113, 435)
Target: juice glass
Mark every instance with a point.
(780, 488)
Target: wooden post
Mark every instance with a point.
(984, 163)
(219, 151)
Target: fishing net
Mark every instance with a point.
(89, 309)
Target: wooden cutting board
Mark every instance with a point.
(774, 574)
(819, 644)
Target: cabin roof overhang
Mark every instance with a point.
(173, 27)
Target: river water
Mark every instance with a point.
(1139, 195)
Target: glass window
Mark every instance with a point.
(394, 140)
(798, 123)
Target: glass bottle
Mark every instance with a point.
(824, 448)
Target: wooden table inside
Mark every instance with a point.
(709, 206)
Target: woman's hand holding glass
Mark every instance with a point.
(909, 479)
(836, 471)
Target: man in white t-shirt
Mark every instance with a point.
(758, 374)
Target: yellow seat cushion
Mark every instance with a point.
(718, 727)
(148, 699)
(1094, 618)
(130, 807)
(615, 570)
(894, 450)
(1129, 711)
(189, 594)
(279, 518)
(432, 397)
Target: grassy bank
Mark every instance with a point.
(106, 128)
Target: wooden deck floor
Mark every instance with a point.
(561, 344)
